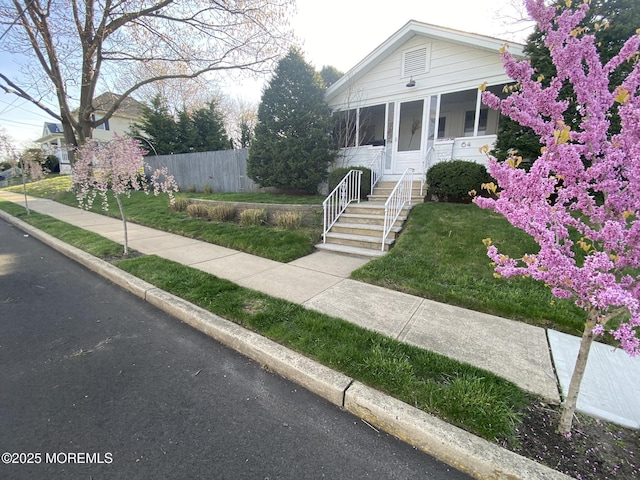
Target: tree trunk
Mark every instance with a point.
(569, 408)
(24, 189)
(70, 140)
(124, 223)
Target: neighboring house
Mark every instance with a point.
(52, 139)
(415, 100)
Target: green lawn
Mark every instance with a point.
(471, 398)
(439, 254)
(259, 198)
(461, 394)
(269, 242)
(90, 242)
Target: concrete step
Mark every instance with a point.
(364, 229)
(356, 251)
(392, 183)
(389, 188)
(376, 197)
(369, 219)
(359, 229)
(385, 192)
(360, 241)
(371, 208)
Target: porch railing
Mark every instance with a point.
(339, 199)
(399, 197)
(377, 167)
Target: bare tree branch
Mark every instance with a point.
(79, 48)
(15, 89)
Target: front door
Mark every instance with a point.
(409, 134)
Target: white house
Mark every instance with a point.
(52, 139)
(415, 100)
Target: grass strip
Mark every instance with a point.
(90, 242)
(273, 243)
(461, 394)
(471, 398)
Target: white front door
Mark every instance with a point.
(410, 132)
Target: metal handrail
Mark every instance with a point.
(377, 168)
(399, 197)
(429, 160)
(339, 199)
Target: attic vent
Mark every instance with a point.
(416, 62)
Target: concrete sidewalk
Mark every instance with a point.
(514, 350)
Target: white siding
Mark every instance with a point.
(452, 67)
(119, 125)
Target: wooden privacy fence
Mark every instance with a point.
(224, 171)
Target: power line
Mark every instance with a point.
(21, 123)
(15, 21)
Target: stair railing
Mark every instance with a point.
(377, 167)
(429, 160)
(339, 199)
(399, 197)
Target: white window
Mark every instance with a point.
(416, 61)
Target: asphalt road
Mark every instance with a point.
(97, 384)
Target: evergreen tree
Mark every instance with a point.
(246, 135)
(293, 146)
(208, 122)
(617, 20)
(330, 75)
(158, 127)
(187, 133)
(200, 131)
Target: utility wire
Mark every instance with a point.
(3, 120)
(4, 34)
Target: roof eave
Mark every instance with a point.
(47, 138)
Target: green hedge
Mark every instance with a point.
(453, 180)
(336, 175)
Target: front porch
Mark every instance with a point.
(461, 148)
(52, 143)
(418, 132)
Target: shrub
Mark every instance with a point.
(253, 216)
(198, 210)
(222, 212)
(5, 166)
(288, 220)
(207, 189)
(52, 164)
(453, 180)
(192, 189)
(180, 204)
(336, 175)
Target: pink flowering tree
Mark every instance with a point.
(580, 199)
(116, 166)
(31, 170)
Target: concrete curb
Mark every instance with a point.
(450, 444)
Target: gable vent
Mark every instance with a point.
(415, 62)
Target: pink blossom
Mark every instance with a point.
(580, 200)
(117, 166)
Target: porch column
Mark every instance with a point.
(476, 121)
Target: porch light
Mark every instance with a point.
(412, 82)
